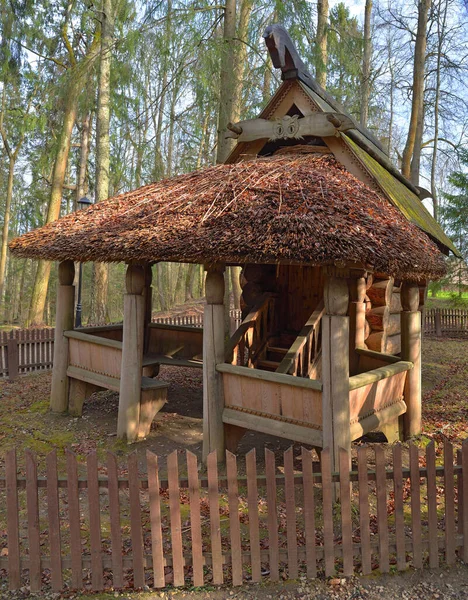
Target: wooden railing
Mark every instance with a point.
(300, 358)
(248, 342)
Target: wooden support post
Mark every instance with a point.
(411, 350)
(132, 354)
(335, 369)
(12, 357)
(63, 322)
(213, 353)
(438, 323)
(148, 293)
(357, 318)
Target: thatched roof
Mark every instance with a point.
(300, 208)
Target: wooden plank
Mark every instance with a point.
(432, 505)
(195, 519)
(32, 503)
(13, 359)
(364, 520)
(327, 500)
(309, 512)
(215, 524)
(415, 506)
(94, 508)
(114, 517)
(346, 524)
(381, 492)
(14, 571)
(234, 523)
(155, 518)
(291, 523)
(268, 376)
(53, 515)
(252, 503)
(136, 531)
(74, 521)
(399, 515)
(272, 514)
(449, 494)
(465, 497)
(363, 379)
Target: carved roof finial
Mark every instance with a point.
(283, 52)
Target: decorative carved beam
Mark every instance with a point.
(317, 124)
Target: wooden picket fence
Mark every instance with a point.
(25, 350)
(197, 320)
(110, 526)
(446, 322)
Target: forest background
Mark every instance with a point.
(100, 98)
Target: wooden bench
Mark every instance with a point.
(83, 383)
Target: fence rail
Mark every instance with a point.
(446, 321)
(26, 350)
(105, 526)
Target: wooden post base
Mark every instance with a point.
(151, 403)
(79, 391)
(232, 437)
(392, 431)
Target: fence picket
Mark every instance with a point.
(32, 504)
(449, 494)
(346, 525)
(309, 512)
(234, 523)
(174, 511)
(14, 571)
(327, 509)
(432, 505)
(465, 496)
(382, 520)
(94, 522)
(215, 524)
(195, 519)
(366, 556)
(114, 519)
(252, 504)
(136, 532)
(272, 514)
(399, 515)
(155, 517)
(74, 520)
(415, 506)
(291, 524)
(53, 515)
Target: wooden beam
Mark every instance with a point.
(290, 431)
(377, 419)
(92, 339)
(389, 358)
(63, 321)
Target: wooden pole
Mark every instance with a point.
(132, 354)
(63, 322)
(213, 354)
(148, 304)
(357, 318)
(335, 367)
(411, 350)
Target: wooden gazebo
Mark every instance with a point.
(336, 249)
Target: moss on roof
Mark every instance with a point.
(402, 197)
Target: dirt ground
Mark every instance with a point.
(27, 424)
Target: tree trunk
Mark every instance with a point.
(321, 42)
(84, 152)
(366, 64)
(240, 58)
(226, 82)
(76, 77)
(6, 225)
(101, 271)
(418, 85)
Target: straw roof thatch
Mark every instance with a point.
(301, 208)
